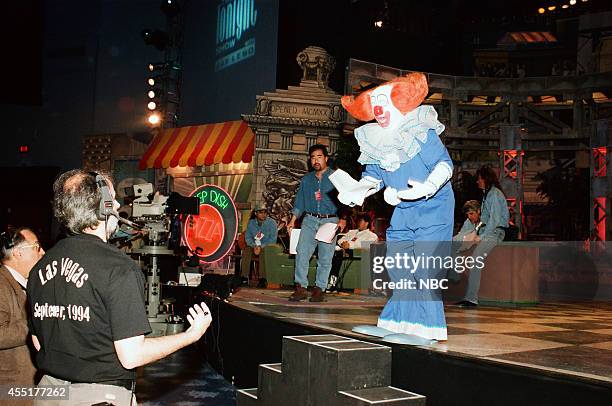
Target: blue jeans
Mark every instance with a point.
(483, 248)
(305, 248)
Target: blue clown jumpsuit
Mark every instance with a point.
(423, 228)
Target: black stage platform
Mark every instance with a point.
(550, 354)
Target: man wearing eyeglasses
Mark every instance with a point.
(19, 251)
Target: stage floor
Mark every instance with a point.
(572, 339)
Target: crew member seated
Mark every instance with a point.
(493, 214)
(354, 239)
(468, 234)
(261, 232)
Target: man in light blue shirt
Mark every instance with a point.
(315, 200)
(494, 216)
(260, 233)
(472, 226)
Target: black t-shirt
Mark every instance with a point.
(85, 294)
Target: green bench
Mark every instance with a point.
(280, 269)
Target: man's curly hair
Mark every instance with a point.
(76, 200)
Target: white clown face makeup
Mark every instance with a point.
(387, 115)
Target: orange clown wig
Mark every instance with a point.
(407, 94)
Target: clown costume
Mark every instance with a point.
(403, 152)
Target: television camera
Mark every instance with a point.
(155, 219)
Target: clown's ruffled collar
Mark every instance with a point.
(391, 148)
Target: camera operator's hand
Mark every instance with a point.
(199, 318)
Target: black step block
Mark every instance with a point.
(273, 388)
(247, 397)
(329, 370)
(380, 397)
(296, 364)
(347, 366)
(296, 353)
(319, 338)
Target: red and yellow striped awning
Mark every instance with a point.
(232, 141)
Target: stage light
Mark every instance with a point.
(151, 94)
(156, 66)
(565, 6)
(146, 34)
(378, 24)
(541, 10)
(152, 105)
(551, 8)
(151, 81)
(572, 2)
(154, 118)
(24, 149)
(159, 39)
(169, 7)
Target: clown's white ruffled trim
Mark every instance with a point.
(391, 148)
(404, 327)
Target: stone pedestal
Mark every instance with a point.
(286, 123)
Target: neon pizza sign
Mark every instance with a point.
(212, 232)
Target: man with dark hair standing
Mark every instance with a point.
(315, 202)
(19, 251)
(87, 302)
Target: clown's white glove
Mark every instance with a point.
(436, 179)
(390, 196)
(371, 182)
(346, 199)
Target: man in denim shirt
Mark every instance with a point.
(314, 200)
(260, 233)
(494, 217)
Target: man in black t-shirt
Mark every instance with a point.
(87, 303)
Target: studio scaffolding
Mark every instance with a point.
(151, 229)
